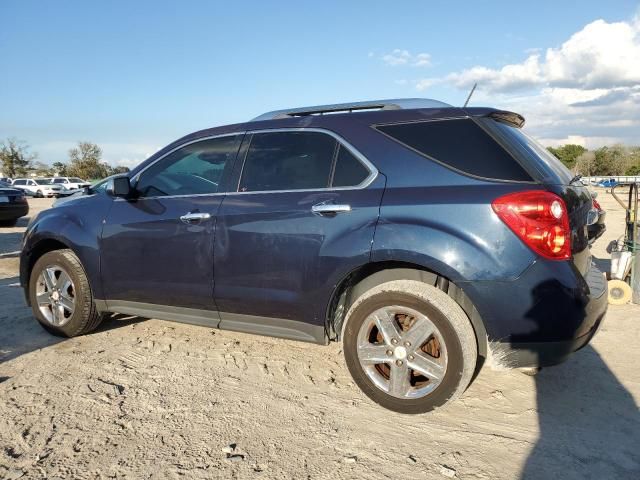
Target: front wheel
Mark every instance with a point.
(409, 346)
(38, 194)
(60, 295)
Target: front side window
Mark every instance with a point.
(194, 169)
(59, 180)
(19, 182)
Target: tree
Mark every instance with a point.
(119, 169)
(15, 157)
(608, 161)
(568, 154)
(634, 170)
(84, 162)
(60, 169)
(584, 164)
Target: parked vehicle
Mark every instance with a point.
(13, 205)
(6, 180)
(608, 183)
(38, 187)
(425, 238)
(70, 183)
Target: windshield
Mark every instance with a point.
(4, 184)
(43, 181)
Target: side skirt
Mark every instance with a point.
(266, 326)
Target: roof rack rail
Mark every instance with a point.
(391, 104)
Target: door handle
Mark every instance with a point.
(330, 209)
(195, 217)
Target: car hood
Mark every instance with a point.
(10, 191)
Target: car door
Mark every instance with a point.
(303, 217)
(157, 247)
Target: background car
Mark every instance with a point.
(6, 180)
(13, 205)
(70, 183)
(38, 187)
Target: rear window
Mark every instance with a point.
(551, 169)
(459, 144)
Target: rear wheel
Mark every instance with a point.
(38, 194)
(60, 295)
(409, 346)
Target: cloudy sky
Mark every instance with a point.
(133, 77)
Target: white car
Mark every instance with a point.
(70, 183)
(38, 187)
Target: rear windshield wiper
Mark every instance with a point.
(575, 178)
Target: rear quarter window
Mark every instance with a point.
(459, 144)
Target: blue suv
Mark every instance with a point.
(428, 239)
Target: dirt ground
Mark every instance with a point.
(153, 399)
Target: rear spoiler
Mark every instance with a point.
(510, 118)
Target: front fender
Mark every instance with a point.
(76, 225)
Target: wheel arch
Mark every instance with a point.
(36, 251)
(375, 273)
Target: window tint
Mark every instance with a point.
(59, 180)
(460, 144)
(288, 161)
(191, 170)
(19, 182)
(532, 151)
(76, 180)
(349, 170)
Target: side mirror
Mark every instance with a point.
(119, 187)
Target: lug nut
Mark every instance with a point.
(407, 344)
(399, 363)
(394, 340)
(389, 352)
(410, 357)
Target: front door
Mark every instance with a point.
(157, 247)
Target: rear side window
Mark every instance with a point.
(349, 170)
(459, 144)
(288, 161)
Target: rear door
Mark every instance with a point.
(157, 248)
(302, 218)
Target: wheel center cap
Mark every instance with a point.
(55, 296)
(400, 353)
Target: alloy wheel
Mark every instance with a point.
(55, 295)
(402, 352)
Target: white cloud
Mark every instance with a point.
(601, 55)
(400, 57)
(585, 91)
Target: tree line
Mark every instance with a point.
(608, 160)
(84, 161)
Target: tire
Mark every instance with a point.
(84, 317)
(39, 194)
(454, 336)
(619, 292)
(9, 223)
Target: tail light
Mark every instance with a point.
(539, 219)
(596, 204)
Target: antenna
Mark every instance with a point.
(473, 89)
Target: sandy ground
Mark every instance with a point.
(153, 399)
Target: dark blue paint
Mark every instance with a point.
(267, 255)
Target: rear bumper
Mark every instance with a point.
(541, 318)
(9, 211)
